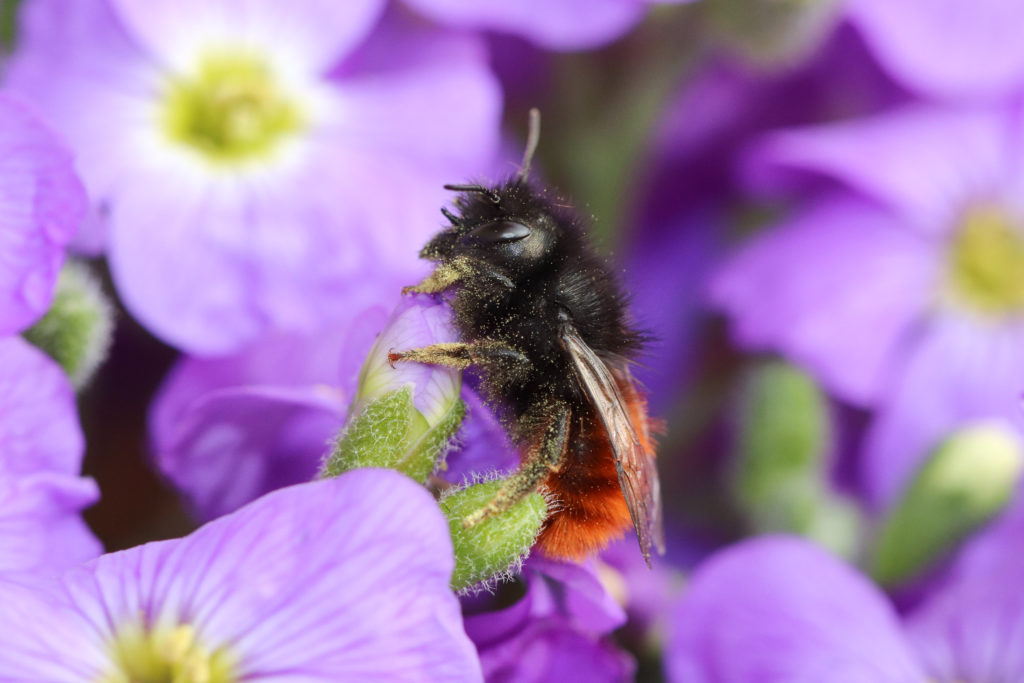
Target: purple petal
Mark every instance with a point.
(971, 627)
(555, 632)
(41, 527)
(780, 610)
(953, 48)
(311, 34)
(75, 62)
(339, 579)
(43, 635)
(284, 257)
(923, 160)
(233, 445)
(835, 289)
(39, 429)
(548, 651)
(575, 592)
(389, 93)
(673, 264)
(556, 24)
(481, 445)
(227, 430)
(959, 369)
(42, 204)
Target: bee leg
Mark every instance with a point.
(450, 272)
(540, 463)
(443, 277)
(461, 355)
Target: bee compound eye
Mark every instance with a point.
(498, 232)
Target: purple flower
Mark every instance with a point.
(948, 48)
(899, 281)
(339, 579)
(691, 192)
(255, 165)
(42, 203)
(41, 447)
(227, 430)
(779, 609)
(554, 24)
(555, 632)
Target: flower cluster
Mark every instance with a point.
(214, 466)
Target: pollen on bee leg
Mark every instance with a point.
(545, 458)
(449, 354)
(443, 277)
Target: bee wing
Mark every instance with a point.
(638, 476)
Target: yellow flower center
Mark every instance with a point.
(231, 109)
(167, 655)
(987, 262)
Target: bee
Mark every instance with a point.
(543, 322)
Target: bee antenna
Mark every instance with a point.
(452, 218)
(479, 189)
(532, 140)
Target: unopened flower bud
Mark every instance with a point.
(495, 545)
(404, 414)
(771, 32)
(76, 331)
(783, 437)
(966, 481)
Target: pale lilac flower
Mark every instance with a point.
(898, 282)
(779, 610)
(554, 24)
(946, 48)
(256, 160)
(41, 448)
(342, 579)
(42, 203)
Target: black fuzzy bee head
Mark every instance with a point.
(510, 228)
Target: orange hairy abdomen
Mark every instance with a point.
(590, 510)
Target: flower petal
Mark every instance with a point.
(42, 204)
(556, 631)
(231, 446)
(77, 65)
(338, 579)
(971, 626)
(674, 263)
(39, 429)
(835, 289)
(556, 24)
(312, 34)
(924, 161)
(41, 527)
(391, 97)
(43, 635)
(780, 610)
(950, 48)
